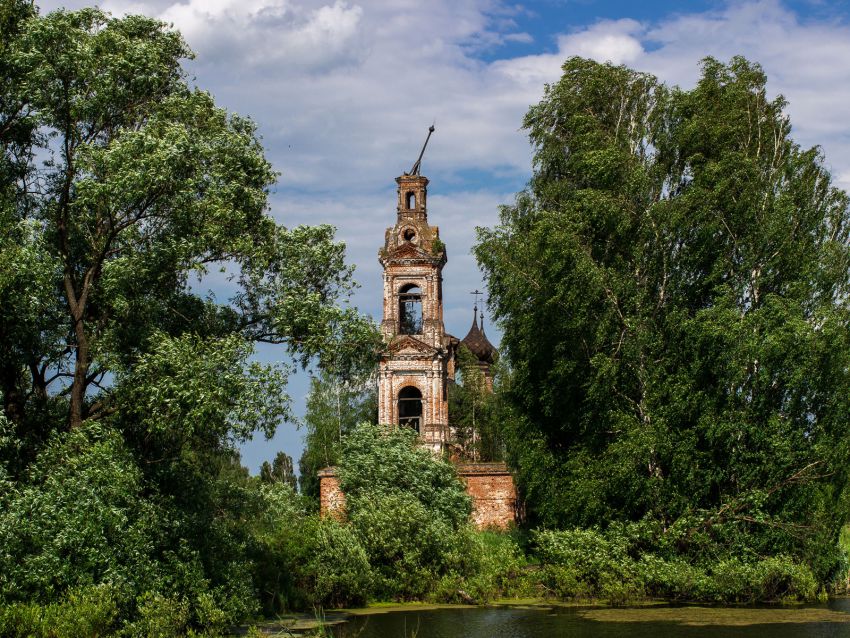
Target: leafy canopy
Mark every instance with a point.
(128, 182)
(673, 287)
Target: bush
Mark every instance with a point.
(408, 547)
(673, 579)
(581, 564)
(584, 563)
(772, 579)
(408, 509)
(79, 519)
(84, 612)
(500, 568)
(335, 570)
(389, 460)
(159, 617)
(302, 561)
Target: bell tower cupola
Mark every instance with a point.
(412, 197)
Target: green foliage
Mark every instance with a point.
(280, 470)
(582, 563)
(186, 387)
(335, 406)
(88, 611)
(78, 520)
(408, 509)
(160, 617)
(673, 290)
(334, 570)
(475, 410)
(124, 388)
(147, 183)
(498, 569)
(382, 460)
(304, 561)
(587, 564)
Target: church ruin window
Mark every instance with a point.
(409, 234)
(410, 407)
(410, 310)
(411, 200)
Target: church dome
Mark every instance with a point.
(477, 342)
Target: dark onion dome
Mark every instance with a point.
(477, 341)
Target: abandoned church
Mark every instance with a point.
(419, 362)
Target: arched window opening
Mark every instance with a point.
(411, 201)
(410, 310)
(410, 407)
(409, 234)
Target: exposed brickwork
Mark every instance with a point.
(331, 497)
(413, 255)
(491, 486)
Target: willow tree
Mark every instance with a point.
(673, 289)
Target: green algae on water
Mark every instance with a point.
(716, 616)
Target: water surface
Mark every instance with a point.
(825, 621)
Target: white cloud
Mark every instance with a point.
(616, 41)
(265, 33)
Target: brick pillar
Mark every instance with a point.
(491, 486)
(331, 497)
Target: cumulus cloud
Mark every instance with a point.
(616, 41)
(343, 91)
(269, 33)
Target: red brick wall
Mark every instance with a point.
(493, 493)
(490, 485)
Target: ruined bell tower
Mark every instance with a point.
(418, 362)
(414, 370)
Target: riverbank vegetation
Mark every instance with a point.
(673, 288)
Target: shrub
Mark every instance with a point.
(584, 563)
(87, 611)
(499, 568)
(673, 579)
(772, 579)
(389, 460)
(590, 564)
(79, 519)
(335, 571)
(408, 509)
(408, 547)
(159, 617)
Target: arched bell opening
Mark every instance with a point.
(410, 199)
(410, 310)
(410, 407)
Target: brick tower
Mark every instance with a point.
(414, 371)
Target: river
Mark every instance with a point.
(830, 620)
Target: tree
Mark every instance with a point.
(475, 410)
(147, 182)
(673, 288)
(120, 183)
(279, 471)
(334, 408)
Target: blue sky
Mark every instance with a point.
(343, 92)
